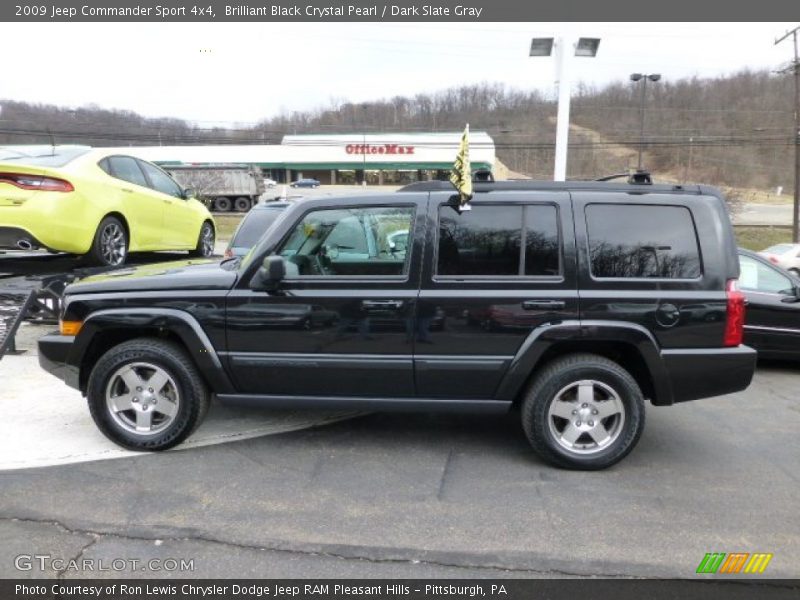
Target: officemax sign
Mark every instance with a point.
(378, 149)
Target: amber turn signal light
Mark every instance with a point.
(69, 327)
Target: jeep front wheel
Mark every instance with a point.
(583, 411)
(146, 394)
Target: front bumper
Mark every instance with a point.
(704, 373)
(53, 352)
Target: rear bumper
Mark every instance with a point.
(53, 352)
(704, 373)
(11, 236)
(52, 220)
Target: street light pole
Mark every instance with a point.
(642, 96)
(796, 135)
(565, 47)
(562, 115)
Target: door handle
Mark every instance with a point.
(544, 305)
(382, 304)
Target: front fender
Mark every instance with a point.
(180, 323)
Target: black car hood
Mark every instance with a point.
(173, 276)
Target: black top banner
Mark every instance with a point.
(398, 11)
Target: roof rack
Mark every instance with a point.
(630, 187)
(638, 177)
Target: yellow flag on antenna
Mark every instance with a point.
(461, 175)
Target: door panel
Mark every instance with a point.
(330, 332)
(493, 275)
(771, 325)
(178, 231)
(141, 205)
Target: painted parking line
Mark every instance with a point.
(46, 423)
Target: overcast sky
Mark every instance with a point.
(240, 73)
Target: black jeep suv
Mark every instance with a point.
(574, 301)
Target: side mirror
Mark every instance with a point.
(793, 297)
(188, 193)
(269, 274)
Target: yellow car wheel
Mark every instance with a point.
(205, 241)
(110, 245)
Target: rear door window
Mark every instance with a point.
(490, 240)
(642, 241)
(127, 169)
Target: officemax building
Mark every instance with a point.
(377, 158)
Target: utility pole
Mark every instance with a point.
(795, 67)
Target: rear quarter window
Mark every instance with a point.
(642, 241)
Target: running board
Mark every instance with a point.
(369, 404)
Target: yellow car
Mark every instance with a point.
(96, 202)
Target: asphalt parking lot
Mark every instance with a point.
(404, 495)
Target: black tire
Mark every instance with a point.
(110, 244)
(205, 241)
(222, 204)
(185, 386)
(242, 204)
(555, 384)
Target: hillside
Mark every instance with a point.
(727, 131)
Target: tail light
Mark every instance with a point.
(36, 182)
(734, 321)
(772, 259)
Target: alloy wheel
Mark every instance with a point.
(586, 416)
(142, 398)
(207, 240)
(113, 244)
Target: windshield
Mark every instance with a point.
(277, 218)
(42, 156)
(254, 226)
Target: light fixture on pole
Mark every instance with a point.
(586, 47)
(644, 78)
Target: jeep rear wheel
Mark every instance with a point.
(146, 394)
(583, 411)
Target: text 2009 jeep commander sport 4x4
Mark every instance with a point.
(575, 301)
